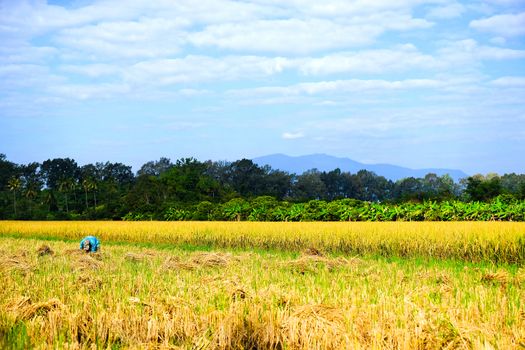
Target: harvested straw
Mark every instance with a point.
(74, 252)
(87, 262)
(174, 263)
(312, 251)
(89, 281)
(502, 277)
(45, 250)
(211, 259)
(313, 262)
(316, 326)
(138, 257)
(25, 309)
(198, 260)
(15, 262)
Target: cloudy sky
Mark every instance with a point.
(417, 83)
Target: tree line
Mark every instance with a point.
(188, 189)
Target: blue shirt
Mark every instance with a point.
(93, 241)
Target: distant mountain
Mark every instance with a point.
(323, 162)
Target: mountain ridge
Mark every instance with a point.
(325, 162)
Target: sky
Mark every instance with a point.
(415, 83)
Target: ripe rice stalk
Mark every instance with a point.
(24, 309)
(520, 276)
(497, 242)
(247, 326)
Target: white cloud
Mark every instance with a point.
(453, 10)
(293, 36)
(292, 135)
(160, 48)
(507, 25)
(84, 92)
(27, 77)
(302, 36)
(498, 40)
(465, 53)
(505, 2)
(518, 82)
(24, 53)
(341, 8)
(194, 69)
(496, 53)
(110, 40)
(340, 86)
(93, 70)
(401, 58)
(43, 17)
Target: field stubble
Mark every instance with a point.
(132, 296)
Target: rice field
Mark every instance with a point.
(207, 285)
(496, 242)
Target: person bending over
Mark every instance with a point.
(90, 244)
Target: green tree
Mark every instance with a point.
(235, 209)
(261, 208)
(246, 178)
(14, 185)
(309, 185)
(480, 188)
(156, 168)
(65, 186)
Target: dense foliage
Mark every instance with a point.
(60, 189)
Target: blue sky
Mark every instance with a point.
(416, 83)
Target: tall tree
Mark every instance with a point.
(56, 170)
(187, 181)
(483, 188)
(14, 185)
(309, 185)
(156, 168)
(90, 177)
(373, 187)
(246, 178)
(31, 182)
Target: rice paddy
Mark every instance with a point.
(262, 286)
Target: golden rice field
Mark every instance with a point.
(158, 285)
(498, 242)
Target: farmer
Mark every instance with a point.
(90, 244)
